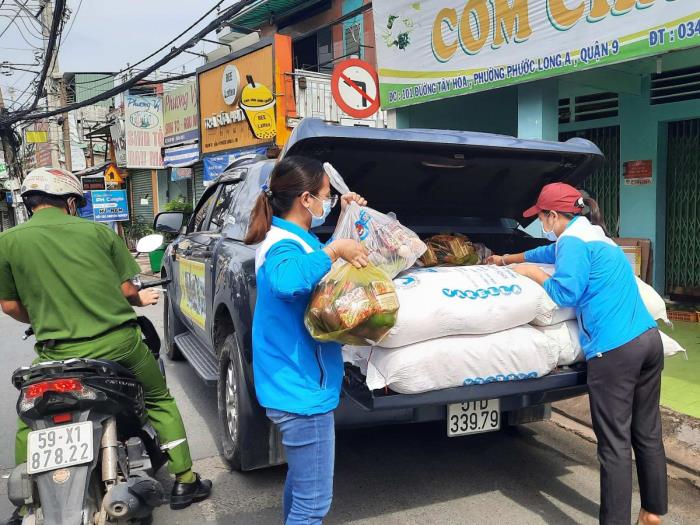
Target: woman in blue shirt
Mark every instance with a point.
(621, 342)
(297, 379)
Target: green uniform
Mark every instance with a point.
(67, 272)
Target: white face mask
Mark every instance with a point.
(318, 221)
(549, 235)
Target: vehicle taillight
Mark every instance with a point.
(32, 393)
(56, 385)
(62, 418)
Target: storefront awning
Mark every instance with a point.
(258, 13)
(181, 156)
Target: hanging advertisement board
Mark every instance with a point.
(435, 49)
(180, 117)
(143, 120)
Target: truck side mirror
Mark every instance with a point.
(169, 222)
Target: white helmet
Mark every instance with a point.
(53, 181)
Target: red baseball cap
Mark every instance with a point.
(557, 196)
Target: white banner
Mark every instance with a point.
(433, 49)
(143, 119)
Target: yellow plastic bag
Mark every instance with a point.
(449, 250)
(353, 306)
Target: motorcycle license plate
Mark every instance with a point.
(59, 447)
(473, 417)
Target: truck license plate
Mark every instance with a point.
(59, 447)
(473, 417)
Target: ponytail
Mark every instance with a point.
(260, 220)
(593, 214)
(291, 177)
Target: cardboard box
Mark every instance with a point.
(639, 253)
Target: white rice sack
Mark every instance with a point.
(566, 338)
(558, 315)
(519, 353)
(439, 302)
(671, 346)
(651, 299)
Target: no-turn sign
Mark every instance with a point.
(355, 88)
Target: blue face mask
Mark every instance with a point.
(318, 221)
(549, 235)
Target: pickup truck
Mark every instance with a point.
(435, 181)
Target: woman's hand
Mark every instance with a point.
(496, 259)
(532, 272)
(351, 251)
(346, 199)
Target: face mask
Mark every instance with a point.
(318, 221)
(549, 235)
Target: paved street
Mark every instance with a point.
(397, 475)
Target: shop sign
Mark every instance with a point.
(180, 116)
(434, 49)
(86, 211)
(214, 165)
(637, 172)
(36, 137)
(118, 133)
(4, 173)
(237, 102)
(93, 182)
(110, 205)
(143, 120)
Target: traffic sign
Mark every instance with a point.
(355, 88)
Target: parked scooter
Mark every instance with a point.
(92, 455)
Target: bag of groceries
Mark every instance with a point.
(449, 250)
(392, 247)
(352, 306)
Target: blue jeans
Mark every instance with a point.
(309, 442)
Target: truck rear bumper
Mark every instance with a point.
(359, 406)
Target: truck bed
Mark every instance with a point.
(562, 383)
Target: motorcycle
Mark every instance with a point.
(92, 455)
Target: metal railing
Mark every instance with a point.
(315, 100)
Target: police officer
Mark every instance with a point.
(70, 278)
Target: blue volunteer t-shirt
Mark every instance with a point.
(593, 276)
(293, 372)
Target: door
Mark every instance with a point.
(604, 184)
(683, 208)
(195, 255)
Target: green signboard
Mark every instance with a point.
(435, 49)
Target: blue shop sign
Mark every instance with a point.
(110, 205)
(214, 165)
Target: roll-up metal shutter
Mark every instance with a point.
(683, 208)
(198, 181)
(141, 187)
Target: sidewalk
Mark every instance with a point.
(681, 432)
(143, 261)
(680, 384)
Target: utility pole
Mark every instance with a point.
(7, 142)
(66, 127)
(52, 91)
